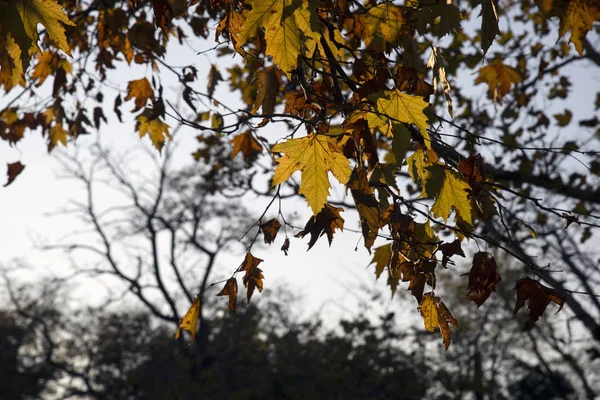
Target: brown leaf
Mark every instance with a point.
(539, 297)
(483, 278)
(451, 249)
(382, 259)
(246, 144)
(253, 277)
(325, 222)
(214, 77)
(13, 170)
(270, 229)
(268, 87)
(436, 315)
(230, 289)
(163, 14)
(286, 246)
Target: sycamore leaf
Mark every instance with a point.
(48, 13)
(256, 18)
(447, 14)
(451, 249)
(579, 18)
(450, 192)
(11, 66)
(325, 222)
(385, 19)
(13, 170)
(499, 78)
(214, 77)
(190, 321)
(268, 87)
(538, 295)
(405, 108)
(156, 129)
(382, 258)
(254, 276)
(230, 289)
(313, 155)
(483, 278)
(270, 229)
(57, 134)
(436, 315)
(489, 23)
(282, 37)
(286, 246)
(246, 144)
(141, 90)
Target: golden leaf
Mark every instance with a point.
(314, 156)
(190, 321)
(253, 277)
(246, 144)
(141, 90)
(230, 289)
(579, 18)
(156, 129)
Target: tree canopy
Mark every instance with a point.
(371, 97)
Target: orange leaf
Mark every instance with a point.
(230, 289)
(483, 278)
(141, 90)
(270, 229)
(253, 277)
(246, 144)
(499, 78)
(538, 295)
(13, 170)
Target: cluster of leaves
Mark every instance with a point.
(350, 73)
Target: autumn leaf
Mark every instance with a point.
(56, 135)
(483, 278)
(246, 144)
(499, 78)
(282, 36)
(451, 249)
(579, 18)
(450, 192)
(141, 90)
(402, 107)
(155, 128)
(489, 23)
(253, 277)
(381, 258)
(313, 155)
(256, 18)
(385, 19)
(270, 229)
(190, 321)
(268, 87)
(13, 170)
(163, 14)
(230, 289)
(286, 246)
(436, 315)
(11, 66)
(214, 77)
(324, 223)
(436, 63)
(538, 296)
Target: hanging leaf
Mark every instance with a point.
(381, 258)
(499, 78)
(141, 90)
(436, 315)
(246, 144)
(270, 229)
(214, 77)
(155, 128)
(538, 296)
(230, 289)
(286, 246)
(324, 223)
(489, 23)
(451, 249)
(253, 277)
(190, 321)
(483, 278)
(315, 156)
(13, 170)
(579, 18)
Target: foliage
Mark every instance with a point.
(349, 80)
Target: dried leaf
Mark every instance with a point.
(382, 258)
(538, 295)
(13, 170)
(141, 90)
(451, 249)
(253, 277)
(230, 289)
(270, 229)
(286, 246)
(483, 278)
(435, 314)
(325, 222)
(214, 77)
(246, 144)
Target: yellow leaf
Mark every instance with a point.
(48, 63)
(190, 321)
(254, 276)
(256, 18)
(246, 144)
(405, 108)
(156, 129)
(429, 312)
(283, 41)
(48, 13)
(385, 19)
(57, 134)
(11, 67)
(579, 19)
(141, 90)
(499, 78)
(230, 289)
(382, 258)
(451, 192)
(268, 87)
(314, 156)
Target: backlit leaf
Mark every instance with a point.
(230, 289)
(483, 278)
(141, 90)
(381, 258)
(313, 155)
(13, 170)
(270, 229)
(190, 321)
(246, 144)
(436, 315)
(324, 223)
(385, 19)
(405, 108)
(253, 275)
(579, 18)
(451, 192)
(538, 296)
(155, 128)
(499, 78)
